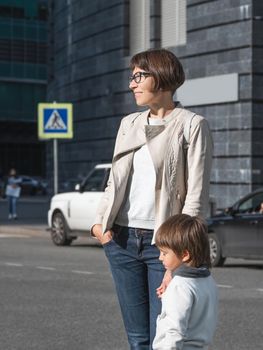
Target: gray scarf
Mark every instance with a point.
(192, 272)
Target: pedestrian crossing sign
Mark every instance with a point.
(55, 121)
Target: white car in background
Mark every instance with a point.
(71, 214)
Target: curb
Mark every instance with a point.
(24, 229)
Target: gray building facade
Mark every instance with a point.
(89, 55)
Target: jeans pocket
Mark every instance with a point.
(107, 243)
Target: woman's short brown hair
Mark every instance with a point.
(182, 233)
(164, 67)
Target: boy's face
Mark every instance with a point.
(170, 260)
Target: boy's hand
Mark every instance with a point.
(166, 280)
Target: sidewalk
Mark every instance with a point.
(32, 216)
(32, 219)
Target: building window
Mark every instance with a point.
(12, 12)
(42, 11)
(24, 51)
(173, 23)
(139, 25)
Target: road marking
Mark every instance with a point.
(224, 286)
(45, 268)
(92, 273)
(3, 235)
(83, 272)
(13, 264)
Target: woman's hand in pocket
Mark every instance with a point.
(107, 237)
(103, 238)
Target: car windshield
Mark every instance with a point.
(252, 204)
(97, 180)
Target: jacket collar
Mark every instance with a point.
(134, 136)
(139, 132)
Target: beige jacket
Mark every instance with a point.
(181, 186)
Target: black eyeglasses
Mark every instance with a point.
(139, 77)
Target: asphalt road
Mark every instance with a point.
(63, 298)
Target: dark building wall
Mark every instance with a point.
(257, 83)
(219, 42)
(90, 70)
(89, 67)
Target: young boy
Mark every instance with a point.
(189, 304)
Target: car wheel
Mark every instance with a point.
(215, 251)
(59, 230)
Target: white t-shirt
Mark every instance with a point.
(138, 210)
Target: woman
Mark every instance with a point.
(153, 177)
(12, 193)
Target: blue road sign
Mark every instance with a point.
(55, 120)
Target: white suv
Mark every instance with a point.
(71, 214)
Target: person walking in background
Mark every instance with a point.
(190, 302)
(161, 166)
(12, 193)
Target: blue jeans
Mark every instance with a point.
(12, 204)
(137, 272)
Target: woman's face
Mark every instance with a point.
(144, 92)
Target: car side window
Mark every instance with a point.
(96, 180)
(252, 204)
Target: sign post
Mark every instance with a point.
(55, 122)
(55, 157)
